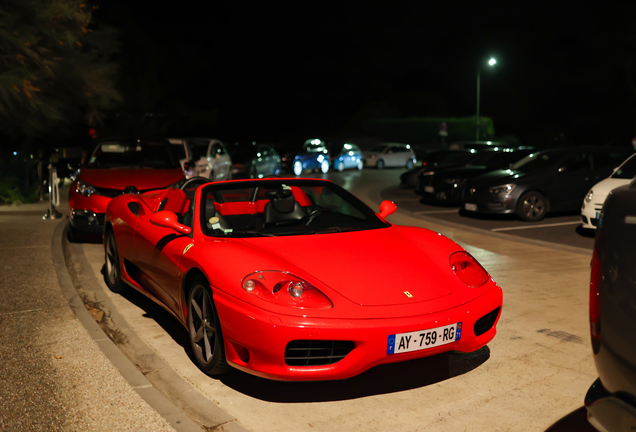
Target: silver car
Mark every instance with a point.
(390, 155)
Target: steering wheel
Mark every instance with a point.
(194, 181)
(312, 215)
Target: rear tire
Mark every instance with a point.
(204, 329)
(532, 206)
(113, 270)
(360, 165)
(298, 167)
(340, 166)
(380, 164)
(409, 164)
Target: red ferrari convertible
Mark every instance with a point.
(297, 279)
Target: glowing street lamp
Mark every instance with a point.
(491, 63)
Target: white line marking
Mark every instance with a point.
(536, 226)
(630, 219)
(436, 211)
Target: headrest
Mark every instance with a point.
(282, 200)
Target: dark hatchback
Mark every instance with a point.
(445, 185)
(253, 160)
(611, 400)
(542, 182)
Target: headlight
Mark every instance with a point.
(84, 188)
(502, 190)
(285, 289)
(589, 196)
(468, 270)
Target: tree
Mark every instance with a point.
(56, 67)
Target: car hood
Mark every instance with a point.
(371, 268)
(502, 176)
(120, 178)
(604, 187)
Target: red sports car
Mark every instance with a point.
(115, 166)
(297, 279)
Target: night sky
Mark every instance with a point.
(279, 70)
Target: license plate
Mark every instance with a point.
(429, 189)
(423, 339)
(470, 207)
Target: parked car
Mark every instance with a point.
(211, 158)
(544, 181)
(593, 202)
(233, 275)
(312, 156)
(184, 153)
(253, 160)
(390, 155)
(346, 155)
(445, 185)
(474, 145)
(115, 167)
(611, 400)
(436, 159)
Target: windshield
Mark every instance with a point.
(496, 160)
(537, 161)
(135, 154)
(379, 148)
(266, 208)
(627, 170)
(242, 152)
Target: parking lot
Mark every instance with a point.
(532, 376)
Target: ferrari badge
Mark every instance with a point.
(406, 293)
(187, 248)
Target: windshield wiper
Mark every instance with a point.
(256, 233)
(335, 229)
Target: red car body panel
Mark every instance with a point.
(365, 274)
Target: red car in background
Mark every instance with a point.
(118, 166)
(297, 279)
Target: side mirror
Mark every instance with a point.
(387, 208)
(565, 169)
(168, 219)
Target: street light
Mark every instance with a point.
(491, 63)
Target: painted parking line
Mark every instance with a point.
(436, 212)
(536, 226)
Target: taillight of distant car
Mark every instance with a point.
(595, 302)
(468, 270)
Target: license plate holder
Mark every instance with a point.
(423, 339)
(470, 207)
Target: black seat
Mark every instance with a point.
(282, 208)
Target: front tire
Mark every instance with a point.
(113, 270)
(340, 166)
(380, 164)
(409, 164)
(532, 206)
(204, 329)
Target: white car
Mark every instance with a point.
(185, 156)
(593, 202)
(390, 155)
(211, 158)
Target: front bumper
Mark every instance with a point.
(609, 411)
(494, 206)
(590, 214)
(87, 212)
(265, 336)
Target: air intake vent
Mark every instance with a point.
(486, 322)
(316, 352)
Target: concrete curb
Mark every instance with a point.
(376, 196)
(163, 389)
